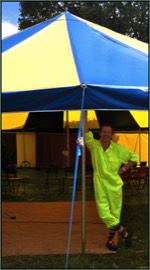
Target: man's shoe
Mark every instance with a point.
(111, 245)
(128, 239)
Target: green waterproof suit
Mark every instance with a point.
(107, 182)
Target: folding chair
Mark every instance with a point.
(89, 178)
(143, 163)
(13, 180)
(139, 175)
(126, 179)
(5, 185)
(52, 178)
(68, 177)
(146, 178)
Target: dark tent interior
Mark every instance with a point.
(53, 121)
(51, 134)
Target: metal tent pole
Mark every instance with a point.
(140, 145)
(81, 126)
(67, 137)
(83, 186)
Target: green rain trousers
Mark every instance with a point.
(107, 182)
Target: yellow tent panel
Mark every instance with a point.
(13, 120)
(141, 117)
(74, 118)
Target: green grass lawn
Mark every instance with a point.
(124, 259)
(134, 213)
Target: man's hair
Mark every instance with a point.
(107, 125)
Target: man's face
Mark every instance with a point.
(106, 134)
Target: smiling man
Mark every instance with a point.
(107, 157)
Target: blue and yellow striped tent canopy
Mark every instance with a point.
(44, 66)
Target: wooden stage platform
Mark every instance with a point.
(42, 228)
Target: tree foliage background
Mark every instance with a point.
(128, 18)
